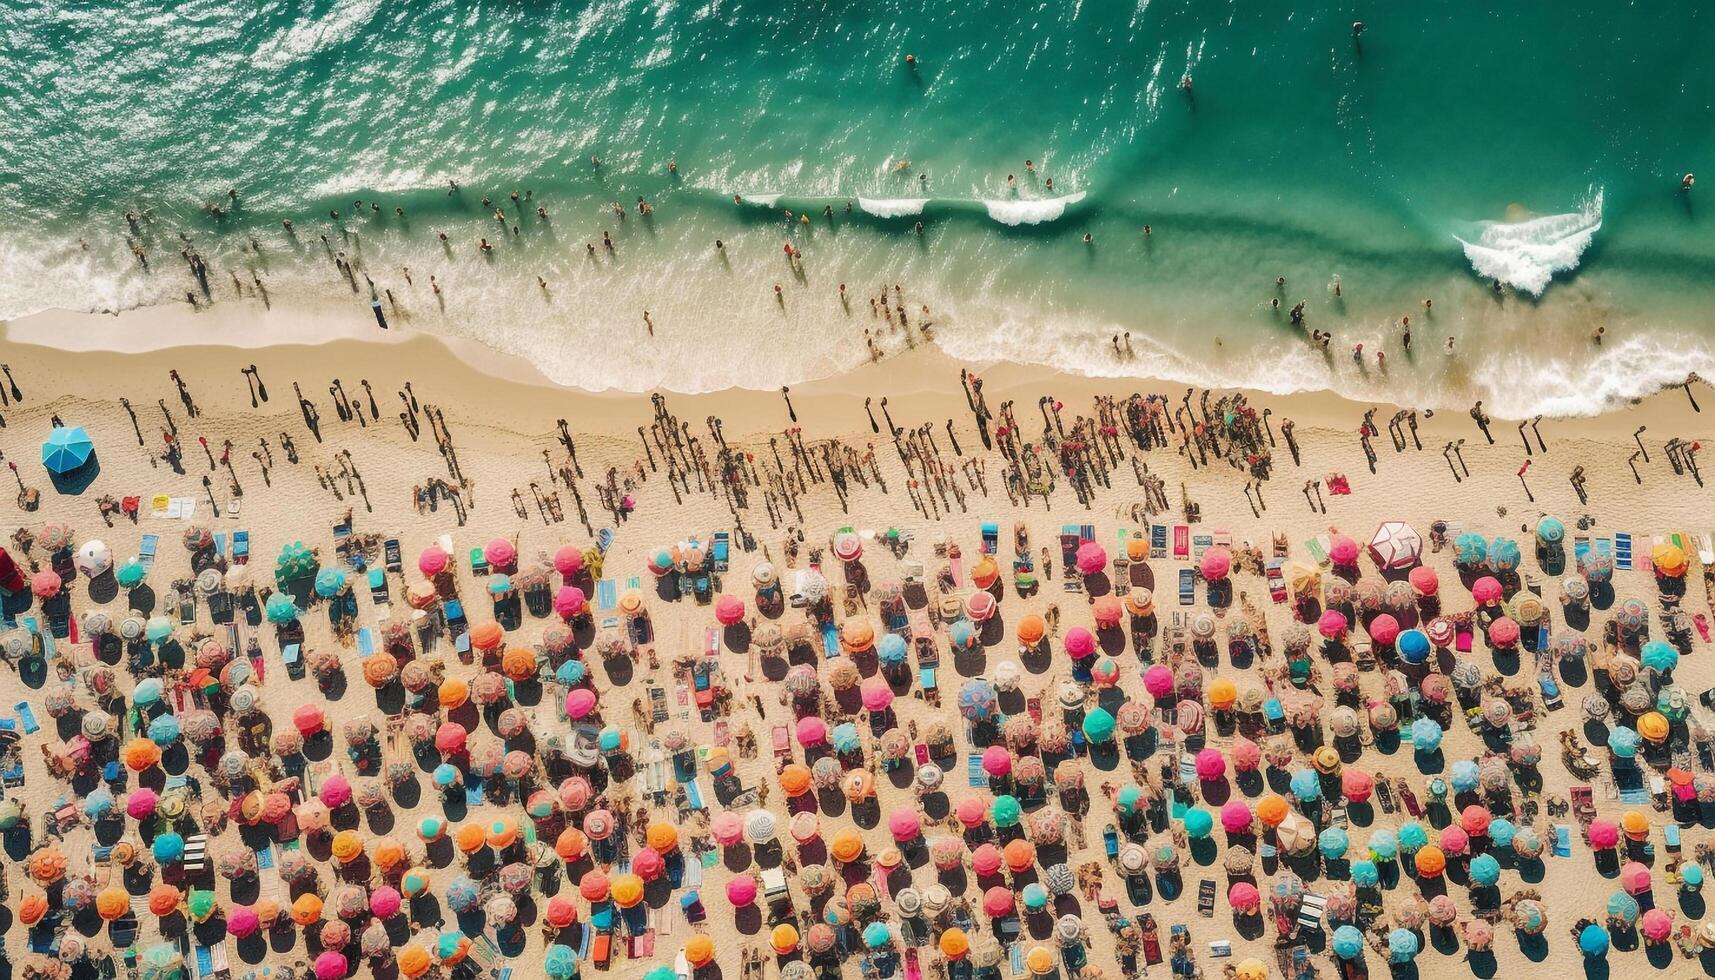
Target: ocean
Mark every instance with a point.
(1452, 145)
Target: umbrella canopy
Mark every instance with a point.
(1396, 545)
(66, 449)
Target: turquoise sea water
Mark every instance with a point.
(1386, 162)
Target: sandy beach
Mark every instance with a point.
(503, 420)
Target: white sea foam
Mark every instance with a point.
(900, 207)
(1028, 212)
(1526, 254)
(761, 200)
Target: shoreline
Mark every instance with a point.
(918, 378)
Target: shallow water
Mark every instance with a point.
(1457, 143)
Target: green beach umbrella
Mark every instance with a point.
(1129, 798)
(1198, 823)
(1098, 725)
(295, 562)
(281, 610)
(158, 628)
(201, 902)
(1006, 811)
(131, 574)
(661, 973)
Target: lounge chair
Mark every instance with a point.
(720, 551)
(146, 550)
(241, 547)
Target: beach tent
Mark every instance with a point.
(66, 449)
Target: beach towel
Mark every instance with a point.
(607, 595)
(1562, 840)
(365, 641)
(1181, 541)
(1620, 550)
(974, 771)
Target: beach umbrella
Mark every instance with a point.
(1623, 908)
(1091, 558)
(1348, 943)
(281, 609)
(1593, 941)
(66, 449)
(1098, 725)
(1623, 742)
(1503, 554)
(1504, 632)
(1442, 911)
(977, 700)
(1402, 946)
(1306, 786)
(1198, 823)
(1596, 565)
(1333, 843)
(1485, 870)
(1425, 735)
(1656, 925)
(1659, 656)
(1635, 878)
(1332, 624)
(1395, 544)
(1486, 590)
(1669, 560)
(1005, 811)
(1216, 563)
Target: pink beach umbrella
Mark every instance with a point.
(331, 965)
(1092, 558)
(647, 864)
(985, 860)
(972, 811)
(904, 824)
(1504, 632)
(1332, 624)
(1384, 629)
(1247, 755)
(1424, 581)
(1635, 878)
(741, 891)
(141, 803)
(727, 829)
(1356, 785)
(1217, 562)
(384, 902)
(1236, 817)
(1656, 925)
(997, 761)
(1244, 898)
(729, 610)
(1080, 643)
(1211, 765)
(1603, 834)
(569, 601)
(500, 553)
(335, 792)
(1486, 590)
(876, 694)
(242, 921)
(1342, 550)
(1454, 841)
(433, 561)
(568, 560)
(580, 702)
(812, 731)
(1158, 681)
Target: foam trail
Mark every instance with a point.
(902, 207)
(1031, 212)
(1526, 254)
(761, 200)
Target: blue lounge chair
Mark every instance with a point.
(146, 550)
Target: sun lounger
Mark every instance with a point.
(720, 551)
(607, 595)
(830, 640)
(990, 537)
(1622, 550)
(241, 547)
(1562, 840)
(1318, 548)
(1187, 587)
(146, 550)
(1181, 541)
(1206, 898)
(974, 771)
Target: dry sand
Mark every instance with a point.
(502, 417)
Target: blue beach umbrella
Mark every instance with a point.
(1412, 837)
(845, 738)
(1348, 943)
(446, 774)
(1469, 548)
(1306, 786)
(891, 649)
(875, 935)
(571, 672)
(560, 962)
(1425, 735)
(1035, 896)
(1503, 554)
(1464, 776)
(99, 803)
(961, 633)
(164, 730)
(1198, 823)
(1550, 530)
(1485, 870)
(1593, 941)
(147, 692)
(281, 609)
(1413, 646)
(167, 848)
(499, 584)
(66, 449)
(1502, 832)
(1692, 877)
(131, 574)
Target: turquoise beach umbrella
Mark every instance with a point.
(164, 731)
(1550, 530)
(1469, 548)
(1348, 943)
(1425, 735)
(446, 774)
(1306, 786)
(147, 692)
(1006, 810)
(1129, 798)
(1692, 876)
(1412, 837)
(875, 935)
(1402, 946)
(845, 738)
(560, 962)
(158, 628)
(1384, 845)
(1198, 823)
(1623, 907)
(1333, 843)
(1503, 554)
(131, 574)
(499, 584)
(99, 803)
(1659, 657)
(1502, 831)
(571, 672)
(961, 633)
(1035, 896)
(661, 973)
(281, 609)
(1623, 742)
(1485, 870)
(329, 582)
(1365, 874)
(1098, 725)
(66, 449)
(1593, 941)
(609, 739)
(296, 562)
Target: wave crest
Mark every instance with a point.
(1526, 254)
(1031, 212)
(901, 207)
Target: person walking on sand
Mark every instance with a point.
(649, 322)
